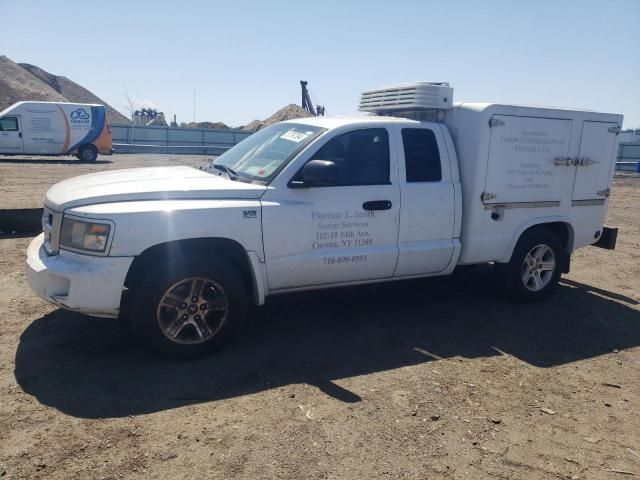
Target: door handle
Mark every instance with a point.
(377, 205)
(20, 134)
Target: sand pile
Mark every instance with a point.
(207, 125)
(290, 112)
(21, 81)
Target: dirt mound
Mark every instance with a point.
(72, 91)
(290, 112)
(253, 126)
(22, 81)
(207, 125)
(18, 84)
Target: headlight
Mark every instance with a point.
(83, 235)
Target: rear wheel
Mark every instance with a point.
(188, 310)
(535, 266)
(87, 153)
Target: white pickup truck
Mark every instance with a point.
(414, 189)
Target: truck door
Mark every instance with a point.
(427, 216)
(341, 233)
(11, 135)
(595, 161)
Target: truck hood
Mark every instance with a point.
(153, 183)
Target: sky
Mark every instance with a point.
(245, 59)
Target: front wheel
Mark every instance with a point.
(187, 310)
(535, 266)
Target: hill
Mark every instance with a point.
(17, 84)
(22, 81)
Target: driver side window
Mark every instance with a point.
(9, 124)
(362, 157)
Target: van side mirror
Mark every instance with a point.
(320, 173)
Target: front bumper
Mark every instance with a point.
(82, 283)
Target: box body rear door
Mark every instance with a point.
(595, 162)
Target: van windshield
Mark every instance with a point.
(262, 155)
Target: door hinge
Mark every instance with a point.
(617, 129)
(604, 193)
(496, 122)
(487, 196)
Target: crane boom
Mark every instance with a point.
(306, 99)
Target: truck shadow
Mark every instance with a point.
(90, 368)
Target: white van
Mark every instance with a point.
(51, 128)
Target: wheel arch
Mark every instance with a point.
(230, 250)
(560, 226)
(86, 145)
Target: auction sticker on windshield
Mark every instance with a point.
(294, 136)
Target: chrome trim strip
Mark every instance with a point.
(491, 206)
(587, 203)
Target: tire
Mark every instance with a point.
(87, 153)
(535, 266)
(189, 309)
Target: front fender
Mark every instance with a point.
(141, 225)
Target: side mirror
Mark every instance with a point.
(320, 173)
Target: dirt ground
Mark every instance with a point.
(25, 180)
(429, 379)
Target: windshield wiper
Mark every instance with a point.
(232, 174)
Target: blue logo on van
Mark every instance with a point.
(80, 115)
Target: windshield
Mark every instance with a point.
(261, 156)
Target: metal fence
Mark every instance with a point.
(138, 138)
(628, 157)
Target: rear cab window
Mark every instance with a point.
(421, 155)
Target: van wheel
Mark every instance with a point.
(87, 153)
(535, 266)
(189, 309)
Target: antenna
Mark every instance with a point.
(194, 104)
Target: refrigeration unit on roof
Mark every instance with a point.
(405, 98)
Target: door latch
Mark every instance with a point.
(603, 193)
(377, 205)
(583, 162)
(575, 162)
(564, 161)
(487, 196)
